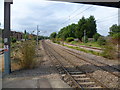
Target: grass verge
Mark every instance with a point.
(86, 51)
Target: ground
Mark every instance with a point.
(44, 75)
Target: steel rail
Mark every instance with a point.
(74, 54)
(97, 81)
(95, 64)
(67, 73)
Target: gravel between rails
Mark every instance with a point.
(103, 76)
(70, 68)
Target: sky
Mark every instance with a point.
(51, 16)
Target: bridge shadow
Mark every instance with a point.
(91, 68)
(42, 71)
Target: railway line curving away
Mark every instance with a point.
(81, 72)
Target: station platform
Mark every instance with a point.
(35, 83)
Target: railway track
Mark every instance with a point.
(108, 68)
(71, 74)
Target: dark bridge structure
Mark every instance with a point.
(108, 3)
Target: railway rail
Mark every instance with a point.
(96, 63)
(74, 76)
(85, 46)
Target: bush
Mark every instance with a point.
(96, 36)
(13, 40)
(101, 41)
(109, 51)
(69, 39)
(116, 38)
(27, 55)
(86, 39)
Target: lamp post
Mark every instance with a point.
(7, 64)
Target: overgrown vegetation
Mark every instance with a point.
(85, 39)
(101, 41)
(25, 55)
(69, 39)
(109, 44)
(13, 40)
(84, 50)
(109, 51)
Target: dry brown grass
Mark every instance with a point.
(26, 55)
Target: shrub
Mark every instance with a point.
(101, 41)
(13, 40)
(116, 38)
(27, 55)
(69, 39)
(86, 39)
(109, 51)
(96, 36)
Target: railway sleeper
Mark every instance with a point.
(89, 85)
(79, 75)
(75, 73)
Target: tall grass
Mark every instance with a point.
(84, 50)
(109, 51)
(26, 55)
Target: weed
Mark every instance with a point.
(86, 51)
(109, 51)
(26, 55)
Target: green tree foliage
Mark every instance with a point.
(114, 29)
(67, 31)
(91, 26)
(53, 35)
(80, 28)
(25, 35)
(77, 30)
(96, 36)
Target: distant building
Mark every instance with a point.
(17, 35)
(90, 39)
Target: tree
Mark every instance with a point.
(53, 35)
(96, 36)
(80, 28)
(77, 30)
(91, 27)
(67, 31)
(114, 29)
(25, 35)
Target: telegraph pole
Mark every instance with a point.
(37, 34)
(7, 62)
(84, 35)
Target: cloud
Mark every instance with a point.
(52, 15)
